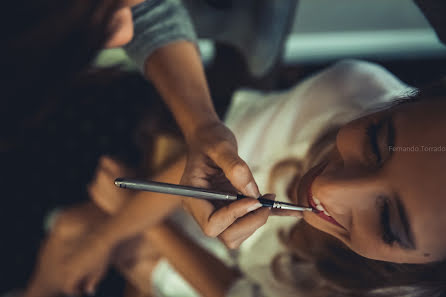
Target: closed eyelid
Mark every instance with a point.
(407, 240)
(385, 137)
(389, 141)
(377, 143)
(384, 218)
(391, 133)
(373, 141)
(394, 222)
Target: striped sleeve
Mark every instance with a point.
(157, 23)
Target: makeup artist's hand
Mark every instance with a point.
(213, 155)
(232, 223)
(213, 162)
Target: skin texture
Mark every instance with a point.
(352, 186)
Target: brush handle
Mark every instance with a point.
(180, 190)
(172, 189)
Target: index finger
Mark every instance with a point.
(235, 169)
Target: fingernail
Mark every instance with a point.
(254, 206)
(251, 190)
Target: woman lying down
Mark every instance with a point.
(354, 142)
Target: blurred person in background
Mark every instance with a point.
(50, 52)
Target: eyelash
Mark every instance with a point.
(387, 235)
(371, 132)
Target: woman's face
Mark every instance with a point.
(384, 187)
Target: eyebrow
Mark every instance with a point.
(405, 234)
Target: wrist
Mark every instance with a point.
(199, 122)
(199, 127)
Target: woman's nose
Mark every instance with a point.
(341, 193)
(348, 144)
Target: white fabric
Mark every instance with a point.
(167, 282)
(272, 126)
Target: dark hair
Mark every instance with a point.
(47, 44)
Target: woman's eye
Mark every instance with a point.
(386, 233)
(373, 144)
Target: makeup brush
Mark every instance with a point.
(165, 188)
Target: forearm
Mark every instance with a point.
(144, 210)
(206, 273)
(177, 72)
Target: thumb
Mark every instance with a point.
(236, 171)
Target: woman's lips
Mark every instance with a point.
(311, 202)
